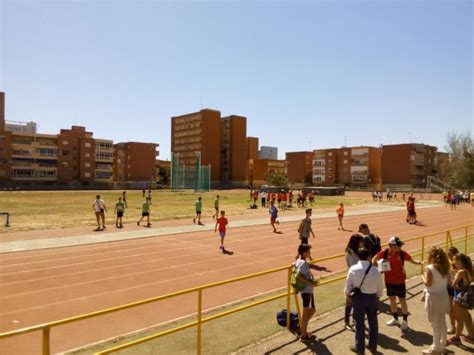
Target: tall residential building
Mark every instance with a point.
(252, 148)
(233, 151)
(300, 167)
(270, 153)
(5, 144)
(195, 135)
(104, 161)
(134, 161)
(408, 164)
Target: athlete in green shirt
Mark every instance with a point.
(145, 212)
(198, 205)
(119, 210)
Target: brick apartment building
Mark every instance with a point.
(5, 144)
(259, 168)
(135, 162)
(300, 167)
(233, 154)
(350, 166)
(198, 134)
(409, 164)
(252, 148)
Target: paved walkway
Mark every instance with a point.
(45, 242)
(334, 339)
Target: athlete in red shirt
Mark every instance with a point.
(222, 223)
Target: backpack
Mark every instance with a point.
(294, 321)
(298, 286)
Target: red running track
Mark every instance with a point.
(47, 285)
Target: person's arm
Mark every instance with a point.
(115, 209)
(427, 277)
(457, 278)
(312, 233)
(105, 207)
(348, 286)
(374, 260)
(411, 260)
(380, 286)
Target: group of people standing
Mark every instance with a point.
(447, 278)
(100, 208)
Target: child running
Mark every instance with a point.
(273, 216)
(222, 223)
(119, 209)
(340, 216)
(145, 212)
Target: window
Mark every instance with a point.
(64, 152)
(65, 142)
(2, 138)
(330, 154)
(65, 164)
(87, 155)
(87, 174)
(345, 161)
(345, 152)
(87, 165)
(87, 144)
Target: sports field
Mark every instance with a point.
(46, 210)
(51, 284)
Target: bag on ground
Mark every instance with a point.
(294, 322)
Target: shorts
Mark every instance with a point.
(145, 214)
(308, 300)
(222, 234)
(411, 213)
(198, 213)
(398, 290)
(304, 240)
(273, 220)
(119, 213)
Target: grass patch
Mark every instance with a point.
(41, 210)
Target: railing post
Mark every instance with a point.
(199, 323)
(46, 349)
(422, 253)
(288, 299)
(465, 240)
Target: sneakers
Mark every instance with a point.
(348, 326)
(404, 325)
(454, 341)
(392, 322)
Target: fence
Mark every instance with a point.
(449, 239)
(195, 176)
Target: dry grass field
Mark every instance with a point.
(44, 210)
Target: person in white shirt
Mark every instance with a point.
(437, 304)
(99, 208)
(364, 287)
(263, 195)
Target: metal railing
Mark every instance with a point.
(46, 327)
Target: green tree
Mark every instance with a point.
(459, 169)
(276, 178)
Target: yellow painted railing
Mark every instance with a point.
(46, 327)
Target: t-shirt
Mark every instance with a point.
(264, 194)
(198, 205)
(273, 212)
(222, 222)
(411, 205)
(120, 206)
(146, 207)
(98, 205)
(397, 273)
(340, 211)
(305, 227)
(303, 268)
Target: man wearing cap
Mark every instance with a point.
(395, 278)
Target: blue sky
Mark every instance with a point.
(306, 74)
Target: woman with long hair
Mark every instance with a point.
(356, 241)
(462, 279)
(435, 279)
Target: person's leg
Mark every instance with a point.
(97, 217)
(138, 223)
(372, 310)
(117, 221)
(468, 323)
(102, 216)
(148, 220)
(459, 316)
(403, 305)
(359, 316)
(347, 313)
(273, 225)
(222, 242)
(451, 316)
(393, 304)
